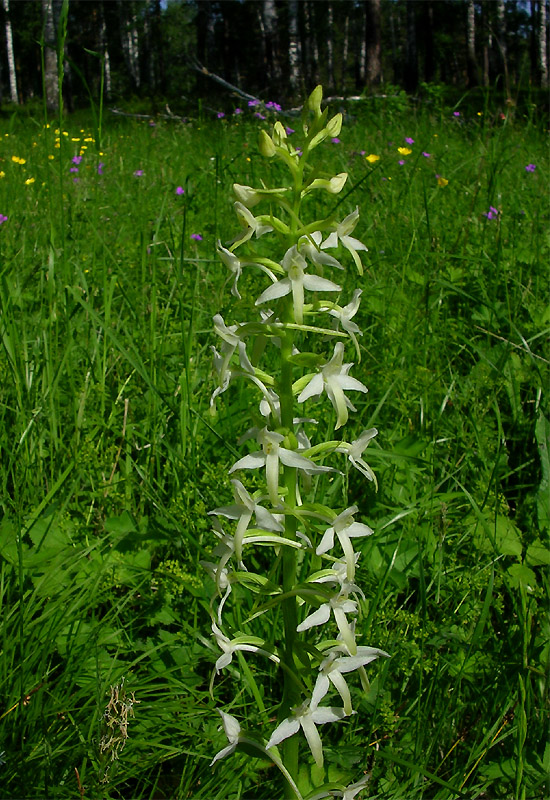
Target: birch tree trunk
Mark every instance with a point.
(10, 55)
(294, 46)
(50, 57)
(104, 50)
(542, 47)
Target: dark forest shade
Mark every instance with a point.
(273, 48)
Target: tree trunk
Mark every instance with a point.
(373, 46)
(330, 45)
(542, 48)
(50, 57)
(10, 55)
(104, 50)
(502, 42)
(411, 73)
(130, 41)
(428, 41)
(471, 44)
(294, 49)
(271, 41)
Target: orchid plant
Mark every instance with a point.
(308, 591)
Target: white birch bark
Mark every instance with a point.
(10, 54)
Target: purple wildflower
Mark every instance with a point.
(335, 140)
(238, 111)
(76, 159)
(73, 169)
(288, 130)
(138, 173)
(492, 213)
(401, 161)
(530, 167)
(273, 106)
(252, 103)
(100, 168)
(76, 180)
(180, 190)
(220, 115)
(456, 113)
(409, 140)
(3, 219)
(426, 155)
(197, 237)
(260, 116)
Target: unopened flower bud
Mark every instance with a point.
(248, 196)
(336, 184)
(266, 145)
(279, 133)
(334, 125)
(314, 101)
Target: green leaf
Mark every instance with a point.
(542, 435)
(520, 575)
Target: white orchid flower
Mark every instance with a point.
(230, 646)
(232, 731)
(348, 793)
(310, 246)
(339, 605)
(337, 575)
(345, 528)
(342, 234)
(334, 667)
(269, 457)
(251, 225)
(344, 316)
(233, 263)
(242, 510)
(307, 717)
(334, 379)
(295, 266)
(354, 452)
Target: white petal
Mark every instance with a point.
(319, 690)
(316, 284)
(251, 461)
(330, 714)
(319, 617)
(288, 727)
(314, 387)
(313, 739)
(326, 543)
(276, 290)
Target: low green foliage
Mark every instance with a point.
(111, 458)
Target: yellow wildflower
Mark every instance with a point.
(405, 151)
(442, 181)
(29, 181)
(372, 158)
(2, 174)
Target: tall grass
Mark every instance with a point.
(110, 456)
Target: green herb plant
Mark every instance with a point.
(306, 584)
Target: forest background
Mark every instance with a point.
(155, 50)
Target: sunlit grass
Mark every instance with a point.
(111, 458)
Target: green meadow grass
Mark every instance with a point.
(110, 457)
